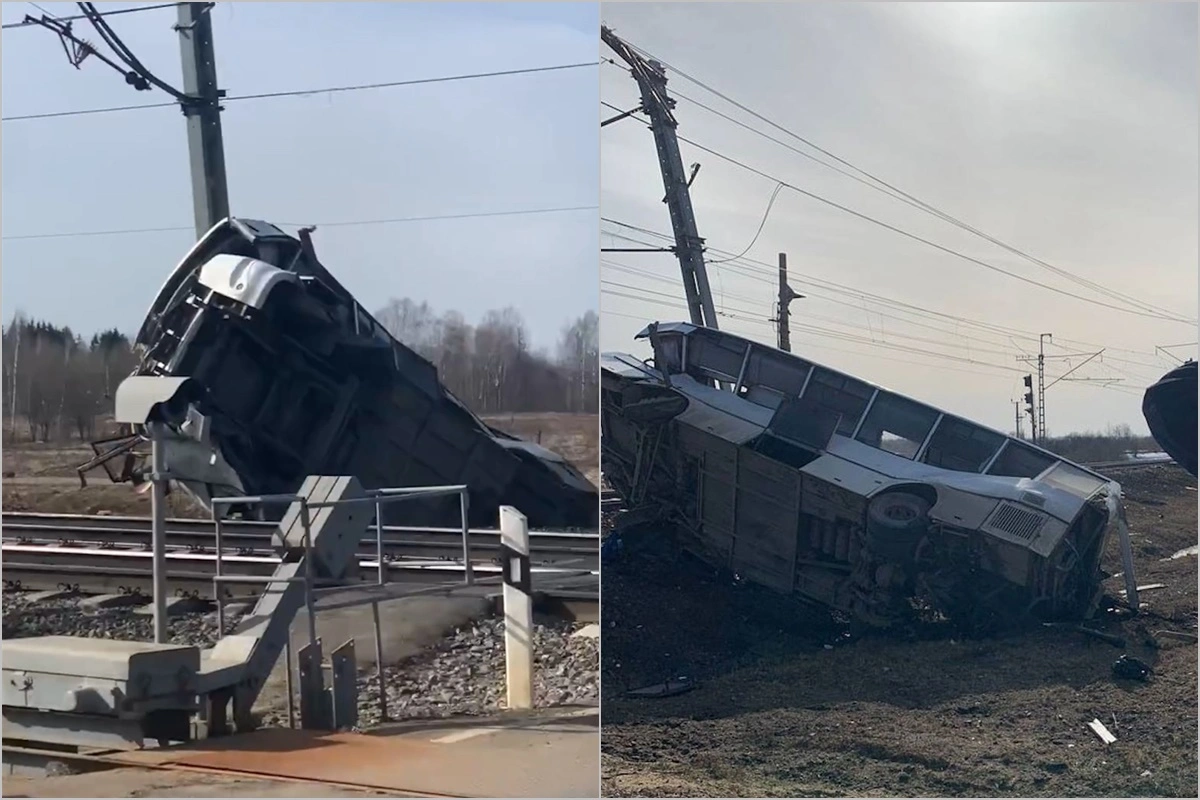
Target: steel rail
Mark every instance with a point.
(47, 567)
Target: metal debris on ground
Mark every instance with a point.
(668, 688)
(1129, 668)
(1098, 728)
(610, 549)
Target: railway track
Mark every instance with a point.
(106, 554)
(124, 571)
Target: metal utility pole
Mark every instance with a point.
(1039, 427)
(689, 247)
(1041, 364)
(202, 109)
(1017, 419)
(200, 98)
(1029, 409)
(1039, 431)
(782, 312)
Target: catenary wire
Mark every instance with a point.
(324, 90)
(897, 193)
(393, 220)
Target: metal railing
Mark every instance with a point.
(380, 498)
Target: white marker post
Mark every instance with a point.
(518, 608)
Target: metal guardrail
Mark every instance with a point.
(251, 537)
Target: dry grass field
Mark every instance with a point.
(43, 475)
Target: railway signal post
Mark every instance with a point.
(140, 401)
(518, 608)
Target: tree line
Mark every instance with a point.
(58, 385)
(1117, 442)
(492, 366)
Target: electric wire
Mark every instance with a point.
(897, 193)
(763, 270)
(393, 220)
(113, 13)
(325, 90)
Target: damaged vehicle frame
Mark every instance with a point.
(298, 379)
(814, 483)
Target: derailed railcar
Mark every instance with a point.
(298, 379)
(815, 483)
(1169, 407)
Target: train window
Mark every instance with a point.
(774, 370)
(715, 356)
(1020, 461)
(670, 351)
(961, 446)
(838, 393)
(1073, 480)
(897, 424)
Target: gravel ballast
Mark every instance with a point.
(463, 674)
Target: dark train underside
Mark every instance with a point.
(298, 379)
(1169, 407)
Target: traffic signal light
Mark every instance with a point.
(1029, 403)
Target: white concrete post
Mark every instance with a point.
(158, 535)
(518, 607)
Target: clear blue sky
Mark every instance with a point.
(463, 147)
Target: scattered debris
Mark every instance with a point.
(1184, 553)
(668, 688)
(1187, 637)
(610, 548)
(1111, 638)
(1129, 668)
(1149, 587)
(1098, 728)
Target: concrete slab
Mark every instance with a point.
(50, 596)
(176, 606)
(590, 631)
(99, 601)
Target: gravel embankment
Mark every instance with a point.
(462, 674)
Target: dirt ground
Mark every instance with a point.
(135, 782)
(788, 705)
(43, 475)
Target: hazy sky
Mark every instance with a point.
(496, 144)
(1067, 130)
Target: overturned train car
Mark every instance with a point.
(1169, 407)
(297, 379)
(817, 484)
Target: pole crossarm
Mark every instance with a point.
(651, 79)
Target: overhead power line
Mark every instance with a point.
(761, 271)
(899, 194)
(25, 23)
(393, 220)
(928, 242)
(324, 90)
